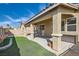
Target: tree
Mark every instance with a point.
(9, 27)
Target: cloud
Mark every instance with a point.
(16, 20)
(30, 13)
(13, 22)
(10, 18)
(5, 22)
(23, 19)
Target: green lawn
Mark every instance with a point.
(24, 47)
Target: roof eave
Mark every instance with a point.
(50, 9)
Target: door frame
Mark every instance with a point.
(42, 31)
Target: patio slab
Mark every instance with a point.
(74, 51)
(43, 42)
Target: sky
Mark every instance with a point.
(14, 13)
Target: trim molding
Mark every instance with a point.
(57, 34)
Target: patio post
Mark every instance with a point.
(24, 31)
(32, 31)
(56, 28)
(77, 25)
(65, 25)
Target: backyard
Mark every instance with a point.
(24, 47)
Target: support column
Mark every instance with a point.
(24, 31)
(77, 25)
(32, 31)
(65, 25)
(56, 35)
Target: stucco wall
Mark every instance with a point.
(28, 29)
(17, 32)
(63, 9)
(48, 26)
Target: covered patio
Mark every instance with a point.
(50, 33)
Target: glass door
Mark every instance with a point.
(42, 30)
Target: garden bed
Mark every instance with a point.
(5, 42)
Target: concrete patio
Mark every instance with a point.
(74, 51)
(43, 42)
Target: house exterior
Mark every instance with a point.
(60, 22)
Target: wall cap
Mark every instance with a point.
(57, 34)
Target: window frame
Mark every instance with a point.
(42, 27)
(71, 24)
(63, 27)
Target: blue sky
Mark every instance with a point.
(14, 13)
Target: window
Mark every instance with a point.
(42, 27)
(62, 25)
(71, 24)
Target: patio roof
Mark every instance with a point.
(52, 7)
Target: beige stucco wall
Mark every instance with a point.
(28, 29)
(65, 10)
(25, 29)
(17, 32)
(48, 26)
